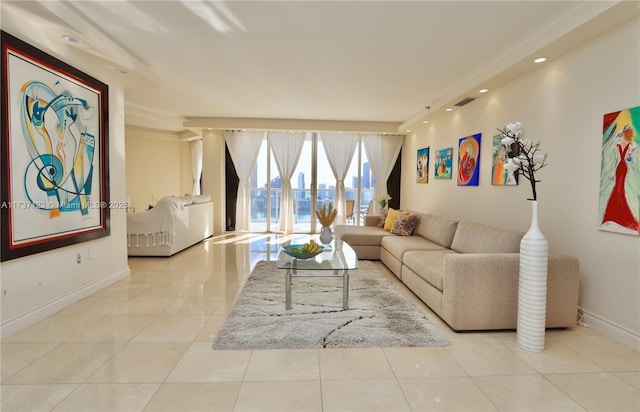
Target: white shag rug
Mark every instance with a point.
(379, 314)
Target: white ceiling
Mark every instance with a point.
(193, 62)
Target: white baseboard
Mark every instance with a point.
(43, 311)
(614, 331)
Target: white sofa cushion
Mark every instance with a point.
(201, 198)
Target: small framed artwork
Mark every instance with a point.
(55, 176)
(422, 166)
(443, 163)
(500, 176)
(469, 160)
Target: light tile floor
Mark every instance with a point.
(144, 344)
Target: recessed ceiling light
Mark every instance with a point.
(449, 109)
(408, 130)
(74, 41)
(425, 121)
(483, 90)
(540, 60)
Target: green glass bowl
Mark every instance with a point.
(296, 251)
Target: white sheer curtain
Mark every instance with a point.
(196, 165)
(382, 152)
(243, 148)
(339, 148)
(286, 148)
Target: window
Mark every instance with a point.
(313, 184)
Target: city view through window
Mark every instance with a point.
(266, 188)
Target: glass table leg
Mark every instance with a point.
(288, 290)
(345, 290)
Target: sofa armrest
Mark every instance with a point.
(371, 220)
(480, 290)
(563, 291)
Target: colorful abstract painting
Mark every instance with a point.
(620, 172)
(500, 153)
(422, 166)
(469, 160)
(443, 163)
(55, 173)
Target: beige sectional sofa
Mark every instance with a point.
(466, 272)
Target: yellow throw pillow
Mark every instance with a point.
(391, 217)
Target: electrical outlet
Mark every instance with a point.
(78, 258)
(92, 253)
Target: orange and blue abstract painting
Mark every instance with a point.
(422, 166)
(469, 160)
(620, 172)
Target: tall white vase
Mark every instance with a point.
(532, 286)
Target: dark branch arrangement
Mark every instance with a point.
(524, 158)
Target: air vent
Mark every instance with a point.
(465, 101)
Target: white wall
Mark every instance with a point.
(153, 166)
(158, 164)
(39, 285)
(562, 104)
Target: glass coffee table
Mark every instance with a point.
(336, 260)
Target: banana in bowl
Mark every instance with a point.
(303, 251)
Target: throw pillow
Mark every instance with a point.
(404, 225)
(391, 217)
(383, 217)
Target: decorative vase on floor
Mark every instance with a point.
(325, 235)
(532, 287)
